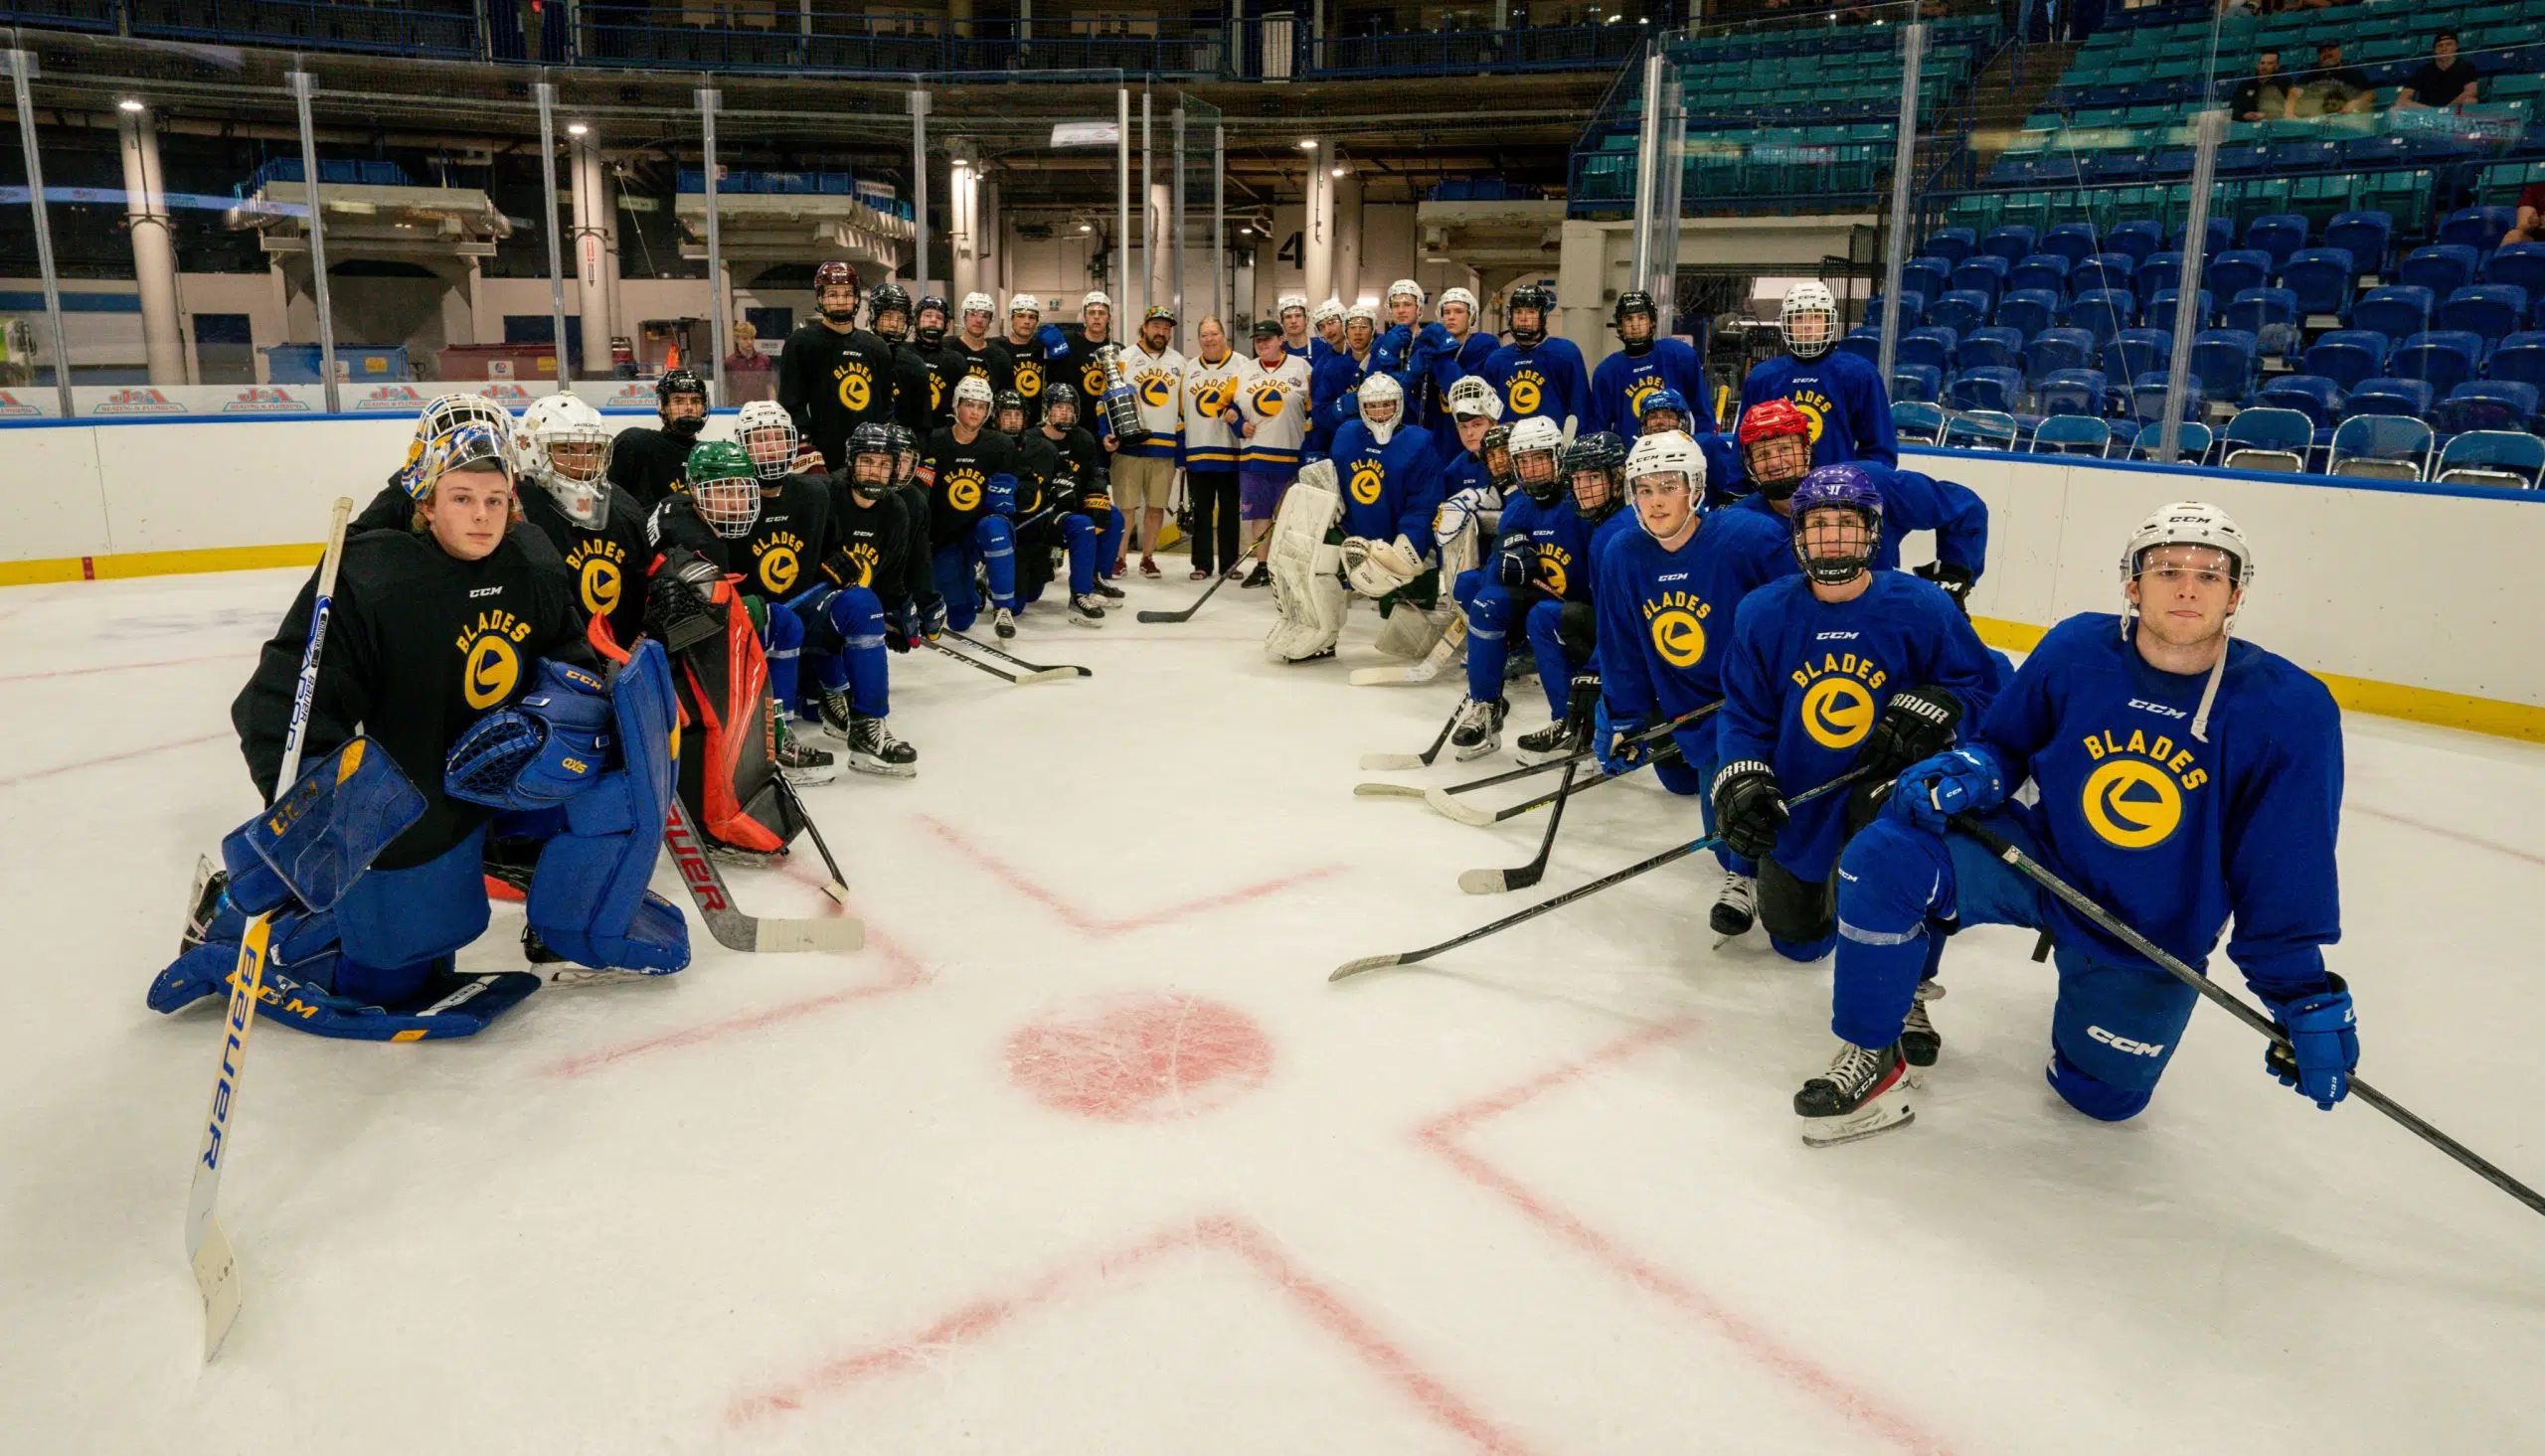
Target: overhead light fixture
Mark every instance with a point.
(1087, 226)
(131, 103)
(577, 128)
(1342, 171)
(1245, 232)
(1307, 144)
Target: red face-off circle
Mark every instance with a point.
(1142, 1056)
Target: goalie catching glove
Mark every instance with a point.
(1378, 567)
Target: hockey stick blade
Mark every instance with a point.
(1386, 790)
(1218, 580)
(733, 929)
(1365, 963)
(1003, 655)
(1415, 675)
(1042, 675)
(1389, 762)
(1440, 802)
(1495, 882)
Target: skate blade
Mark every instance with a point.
(1871, 1120)
(886, 770)
(804, 778)
(1087, 623)
(1469, 755)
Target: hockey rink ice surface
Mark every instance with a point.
(1083, 1154)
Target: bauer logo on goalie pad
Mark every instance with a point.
(1366, 481)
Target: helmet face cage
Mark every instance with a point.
(1496, 455)
(1540, 477)
(1834, 552)
(928, 333)
(1809, 320)
(469, 446)
(1590, 471)
(1536, 301)
(1060, 406)
(772, 445)
(1380, 401)
(568, 453)
(1008, 403)
(439, 416)
(723, 490)
(676, 383)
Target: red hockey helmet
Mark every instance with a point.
(836, 272)
(1771, 417)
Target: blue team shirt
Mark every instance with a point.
(1915, 502)
(1388, 492)
(1334, 382)
(1806, 678)
(1542, 379)
(1461, 471)
(2173, 835)
(1666, 617)
(1623, 381)
(1849, 408)
(1554, 540)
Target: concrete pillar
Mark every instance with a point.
(989, 241)
(596, 239)
(155, 250)
(1316, 226)
(1161, 253)
(961, 212)
(1347, 240)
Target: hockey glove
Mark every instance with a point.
(1056, 344)
(1748, 810)
(931, 618)
(1512, 569)
(1388, 354)
(1955, 579)
(2323, 1045)
(1931, 790)
(898, 633)
(1608, 736)
(1918, 722)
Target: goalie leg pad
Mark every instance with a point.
(728, 767)
(1408, 632)
(540, 752)
(588, 899)
(321, 834)
(1306, 595)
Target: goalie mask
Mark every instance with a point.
(1471, 396)
(1382, 405)
(1536, 445)
(1839, 545)
(1809, 320)
(769, 437)
(442, 415)
(723, 488)
(568, 455)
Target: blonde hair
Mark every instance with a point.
(746, 332)
(422, 517)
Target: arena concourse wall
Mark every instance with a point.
(2414, 602)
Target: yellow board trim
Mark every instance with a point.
(158, 563)
(2492, 716)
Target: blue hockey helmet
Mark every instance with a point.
(1844, 556)
(1664, 398)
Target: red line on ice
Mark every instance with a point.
(125, 666)
(1252, 1246)
(908, 974)
(1089, 925)
(33, 774)
(1798, 1369)
(2459, 835)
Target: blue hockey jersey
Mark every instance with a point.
(1849, 410)
(1805, 680)
(1912, 501)
(2173, 835)
(1388, 492)
(1555, 541)
(1622, 380)
(1333, 384)
(1544, 379)
(1666, 617)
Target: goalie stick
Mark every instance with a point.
(733, 929)
(1221, 579)
(208, 1248)
(1579, 891)
(1039, 674)
(1007, 656)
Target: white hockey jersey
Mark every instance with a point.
(1210, 442)
(1157, 386)
(1276, 401)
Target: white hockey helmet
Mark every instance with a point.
(1666, 453)
(1024, 303)
(567, 450)
(2190, 523)
(1405, 288)
(974, 388)
(1472, 396)
(1361, 313)
(1288, 301)
(1460, 296)
(1809, 320)
(1095, 300)
(1382, 389)
(1537, 436)
(979, 304)
(445, 412)
(767, 434)
(1331, 308)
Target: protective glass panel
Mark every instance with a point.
(1199, 265)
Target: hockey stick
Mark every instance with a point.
(1220, 581)
(1389, 762)
(733, 929)
(1443, 804)
(2121, 930)
(1007, 656)
(1044, 675)
(1639, 867)
(837, 888)
(1421, 672)
(1408, 791)
(208, 1248)
(1494, 881)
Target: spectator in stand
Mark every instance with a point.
(2262, 95)
(2331, 89)
(748, 376)
(2443, 81)
(2531, 215)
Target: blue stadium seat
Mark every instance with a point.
(1917, 422)
(2137, 236)
(2237, 269)
(1983, 273)
(2224, 361)
(2486, 404)
(2072, 434)
(2367, 234)
(2513, 460)
(2013, 242)
(1864, 343)
(1912, 311)
(1921, 383)
(2157, 272)
(1983, 429)
(2479, 228)
(2104, 270)
(1991, 346)
(2445, 358)
(2192, 438)
(2520, 356)
(2348, 356)
(2053, 350)
(2103, 313)
(2136, 352)
(1929, 275)
(2277, 236)
(2494, 310)
(2222, 236)
(2267, 440)
(2310, 395)
(2442, 268)
(2321, 279)
(2028, 311)
(1986, 389)
(1961, 310)
(2072, 392)
(2074, 242)
(2521, 264)
(2389, 397)
(1932, 345)
(2381, 447)
(2148, 398)
(2160, 311)
(2270, 314)
(2395, 311)
(1952, 244)
(2047, 271)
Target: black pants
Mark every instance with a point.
(1213, 496)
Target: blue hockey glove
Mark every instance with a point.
(931, 619)
(2322, 1045)
(1056, 345)
(1608, 738)
(898, 629)
(1389, 352)
(1433, 342)
(1001, 495)
(1511, 568)
(1931, 790)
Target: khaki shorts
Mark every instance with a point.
(1140, 482)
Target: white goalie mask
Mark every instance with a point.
(1382, 405)
(1472, 396)
(567, 451)
(767, 434)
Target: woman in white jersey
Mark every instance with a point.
(1272, 414)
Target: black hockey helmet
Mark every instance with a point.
(1005, 401)
(867, 439)
(1058, 396)
(929, 333)
(905, 452)
(1537, 296)
(1495, 451)
(679, 380)
(889, 298)
(1632, 302)
(1603, 454)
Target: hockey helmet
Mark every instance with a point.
(723, 488)
(440, 414)
(1776, 469)
(1843, 487)
(1537, 448)
(567, 449)
(1381, 392)
(1632, 303)
(1809, 319)
(767, 434)
(1662, 401)
(871, 462)
(1593, 467)
(1539, 300)
(1473, 396)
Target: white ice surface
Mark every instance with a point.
(1541, 1196)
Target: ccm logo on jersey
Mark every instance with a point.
(485, 592)
(1846, 637)
(2128, 1044)
(2159, 708)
